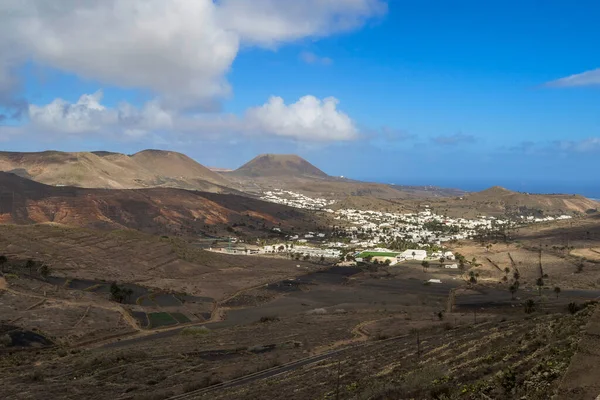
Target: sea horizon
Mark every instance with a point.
(590, 190)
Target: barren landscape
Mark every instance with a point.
(136, 304)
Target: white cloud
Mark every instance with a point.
(311, 58)
(178, 49)
(271, 22)
(580, 146)
(87, 115)
(587, 78)
(308, 119)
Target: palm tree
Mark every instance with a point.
(45, 271)
(425, 265)
(3, 261)
(529, 306)
(513, 289)
(30, 264)
(540, 283)
(557, 291)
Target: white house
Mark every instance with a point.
(412, 255)
(449, 255)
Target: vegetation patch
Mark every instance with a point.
(181, 318)
(161, 319)
(365, 254)
(195, 331)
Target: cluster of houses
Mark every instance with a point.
(368, 230)
(297, 200)
(545, 219)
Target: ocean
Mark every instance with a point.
(587, 189)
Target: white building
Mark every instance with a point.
(412, 255)
(449, 255)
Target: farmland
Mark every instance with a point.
(207, 318)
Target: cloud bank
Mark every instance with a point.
(308, 119)
(181, 50)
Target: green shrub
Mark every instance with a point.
(195, 331)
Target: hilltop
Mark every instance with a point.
(176, 165)
(266, 165)
(108, 170)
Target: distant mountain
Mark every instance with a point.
(102, 169)
(154, 210)
(279, 165)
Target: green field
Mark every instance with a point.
(182, 319)
(376, 254)
(160, 319)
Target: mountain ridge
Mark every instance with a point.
(111, 170)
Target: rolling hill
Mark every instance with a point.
(511, 201)
(154, 210)
(498, 201)
(101, 169)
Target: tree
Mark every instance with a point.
(573, 308)
(45, 271)
(540, 283)
(116, 293)
(441, 261)
(506, 270)
(425, 265)
(387, 262)
(516, 275)
(513, 289)
(579, 268)
(557, 291)
(473, 277)
(30, 264)
(3, 261)
(529, 306)
(322, 259)
(306, 257)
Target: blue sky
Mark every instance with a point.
(463, 93)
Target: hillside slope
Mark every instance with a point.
(156, 210)
(541, 203)
(176, 165)
(100, 169)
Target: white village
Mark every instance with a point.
(376, 236)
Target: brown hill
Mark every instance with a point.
(267, 165)
(155, 210)
(503, 201)
(100, 169)
(176, 165)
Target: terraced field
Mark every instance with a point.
(496, 359)
(132, 257)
